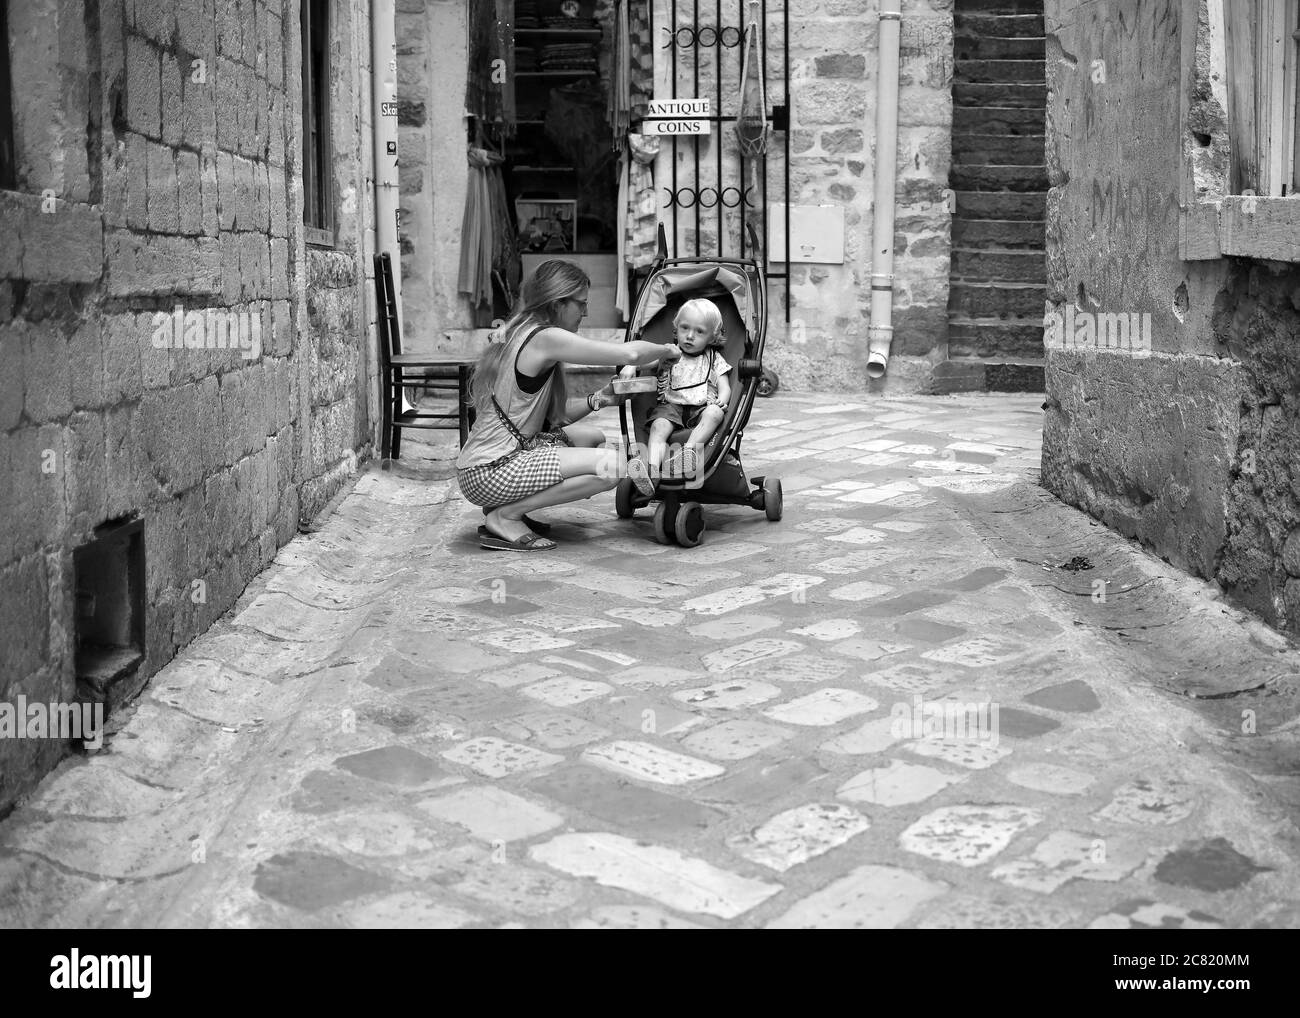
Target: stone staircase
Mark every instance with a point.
(998, 278)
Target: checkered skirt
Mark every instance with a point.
(511, 478)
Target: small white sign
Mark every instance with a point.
(676, 127)
(816, 233)
(678, 108)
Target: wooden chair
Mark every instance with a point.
(401, 371)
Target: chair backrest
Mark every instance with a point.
(390, 330)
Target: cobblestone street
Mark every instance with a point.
(894, 708)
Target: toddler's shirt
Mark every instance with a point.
(692, 380)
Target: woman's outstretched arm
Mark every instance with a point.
(555, 344)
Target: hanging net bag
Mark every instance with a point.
(751, 121)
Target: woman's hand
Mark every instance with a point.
(671, 352)
(607, 396)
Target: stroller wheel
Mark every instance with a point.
(689, 524)
(623, 494)
(664, 531)
(768, 382)
(772, 501)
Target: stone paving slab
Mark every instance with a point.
(890, 709)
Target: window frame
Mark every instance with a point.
(8, 154)
(1219, 217)
(319, 221)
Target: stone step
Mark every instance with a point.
(1002, 72)
(982, 299)
(968, 120)
(997, 178)
(982, 96)
(1000, 264)
(999, 149)
(982, 205)
(980, 24)
(1016, 266)
(995, 337)
(987, 47)
(976, 375)
(1013, 233)
(999, 7)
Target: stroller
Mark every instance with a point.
(738, 288)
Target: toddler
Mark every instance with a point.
(693, 393)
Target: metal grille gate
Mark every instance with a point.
(714, 48)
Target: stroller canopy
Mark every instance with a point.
(698, 281)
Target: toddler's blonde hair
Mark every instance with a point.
(709, 314)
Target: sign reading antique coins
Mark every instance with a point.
(677, 117)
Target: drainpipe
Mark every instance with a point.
(881, 332)
(383, 92)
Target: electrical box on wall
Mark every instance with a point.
(816, 234)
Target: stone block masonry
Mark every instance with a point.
(832, 50)
(158, 205)
(1192, 447)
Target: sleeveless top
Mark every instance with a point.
(491, 440)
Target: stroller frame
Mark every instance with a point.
(679, 516)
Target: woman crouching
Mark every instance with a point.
(525, 452)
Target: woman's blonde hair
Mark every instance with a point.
(709, 313)
(540, 298)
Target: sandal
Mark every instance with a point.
(529, 542)
(640, 475)
(536, 526)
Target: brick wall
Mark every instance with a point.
(159, 149)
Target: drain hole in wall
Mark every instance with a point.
(108, 578)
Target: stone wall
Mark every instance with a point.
(833, 57)
(1190, 447)
(159, 190)
(431, 72)
(833, 85)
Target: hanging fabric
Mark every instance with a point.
(476, 235)
(640, 58)
(620, 90)
(490, 48)
(642, 201)
(751, 123)
(622, 297)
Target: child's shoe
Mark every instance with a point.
(640, 474)
(683, 463)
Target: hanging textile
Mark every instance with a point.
(477, 230)
(620, 88)
(640, 58)
(642, 224)
(507, 266)
(490, 46)
(489, 250)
